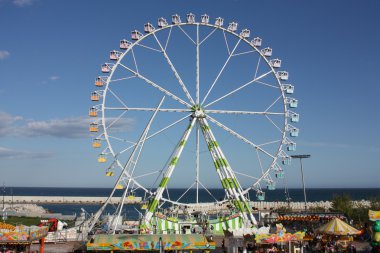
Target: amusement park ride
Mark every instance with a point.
(179, 99)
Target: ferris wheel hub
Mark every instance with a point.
(198, 112)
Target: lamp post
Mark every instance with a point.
(303, 181)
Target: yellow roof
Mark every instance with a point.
(337, 227)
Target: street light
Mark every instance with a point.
(303, 182)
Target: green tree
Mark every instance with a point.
(375, 204)
(342, 203)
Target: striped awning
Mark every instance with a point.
(337, 227)
(123, 242)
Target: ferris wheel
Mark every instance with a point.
(226, 120)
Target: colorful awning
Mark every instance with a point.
(337, 227)
(126, 242)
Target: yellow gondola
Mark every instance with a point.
(94, 127)
(119, 186)
(94, 96)
(110, 173)
(102, 159)
(96, 143)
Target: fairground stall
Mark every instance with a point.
(172, 242)
(19, 238)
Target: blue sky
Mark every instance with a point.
(50, 52)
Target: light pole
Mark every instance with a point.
(303, 181)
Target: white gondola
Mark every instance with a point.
(260, 196)
(282, 75)
(190, 18)
(271, 186)
(125, 44)
(219, 21)
(287, 160)
(115, 55)
(136, 35)
(245, 33)
(291, 146)
(275, 63)
(294, 117)
(288, 88)
(267, 51)
(205, 19)
(257, 42)
(148, 28)
(176, 19)
(106, 68)
(162, 22)
(99, 81)
(292, 102)
(294, 132)
(232, 26)
(280, 174)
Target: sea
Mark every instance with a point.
(312, 194)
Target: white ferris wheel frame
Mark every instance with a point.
(190, 103)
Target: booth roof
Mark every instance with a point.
(149, 242)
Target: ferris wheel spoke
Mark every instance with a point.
(120, 139)
(229, 130)
(274, 102)
(187, 190)
(134, 60)
(257, 67)
(247, 52)
(168, 38)
(237, 89)
(179, 79)
(207, 190)
(157, 132)
(225, 40)
(187, 34)
(156, 86)
(116, 96)
(114, 121)
(245, 175)
(121, 79)
(260, 163)
(267, 84)
(197, 67)
(208, 35)
(269, 142)
(147, 47)
(243, 112)
(271, 121)
(146, 174)
(147, 109)
(221, 71)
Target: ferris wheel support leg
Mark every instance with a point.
(124, 174)
(229, 181)
(172, 164)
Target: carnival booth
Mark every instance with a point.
(19, 238)
(156, 242)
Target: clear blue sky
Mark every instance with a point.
(50, 52)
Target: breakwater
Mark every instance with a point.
(88, 200)
(67, 200)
